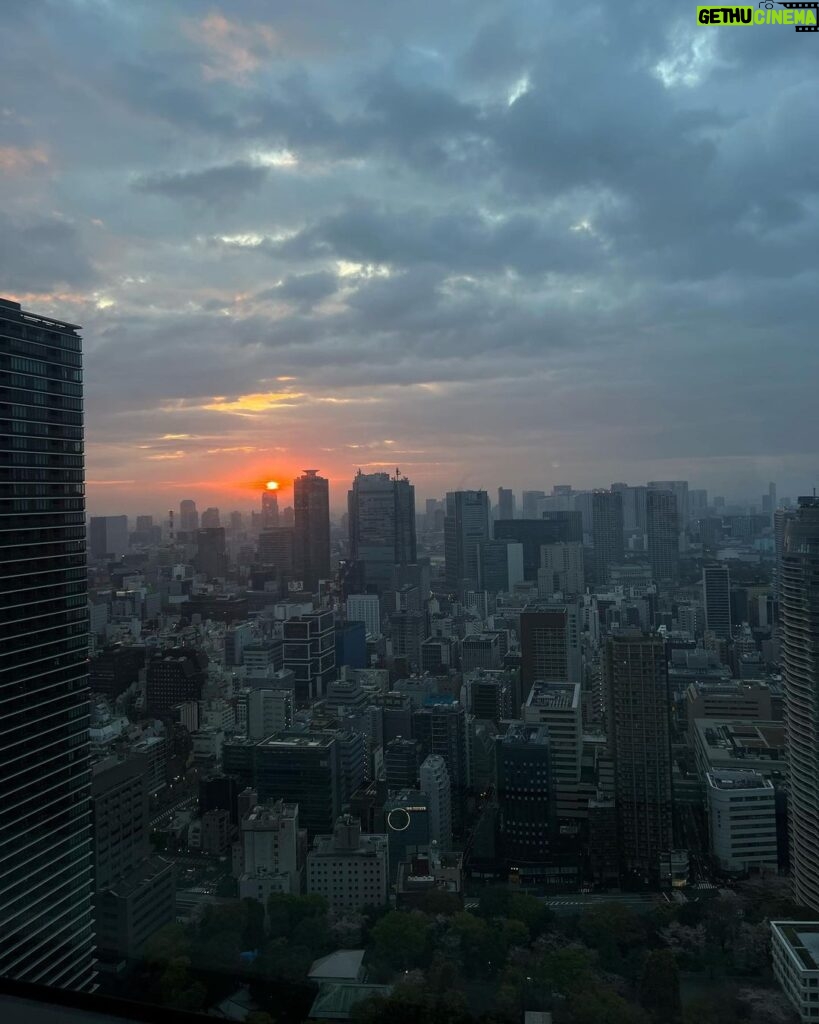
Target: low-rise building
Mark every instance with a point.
(741, 820)
(270, 852)
(795, 953)
(348, 869)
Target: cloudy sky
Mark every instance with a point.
(489, 243)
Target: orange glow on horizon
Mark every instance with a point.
(272, 485)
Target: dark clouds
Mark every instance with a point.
(533, 244)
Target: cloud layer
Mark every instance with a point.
(552, 245)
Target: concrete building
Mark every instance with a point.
(732, 699)
(799, 624)
(268, 712)
(432, 872)
(500, 565)
(436, 787)
(557, 706)
(172, 677)
(663, 531)
(607, 533)
(525, 795)
(350, 870)
(401, 761)
(481, 650)
(741, 820)
(271, 859)
(300, 768)
(795, 954)
(533, 533)
(759, 746)
(506, 503)
(441, 729)
(381, 522)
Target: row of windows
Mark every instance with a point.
(53, 355)
(36, 444)
(31, 413)
(33, 429)
(55, 460)
(39, 506)
(37, 391)
(45, 490)
(49, 337)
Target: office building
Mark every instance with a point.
(716, 595)
(525, 795)
(530, 505)
(46, 928)
(638, 730)
(311, 538)
(795, 955)
(634, 507)
(552, 528)
(269, 711)
(401, 763)
(679, 488)
(436, 786)
(607, 533)
(799, 626)
(549, 644)
(188, 516)
(270, 860)
(262, 660)
(350, 870)
(210, 519)
(277, 549)
(310, 653)
(365, 608)
(351, 645)
(500, 565)
(556, 705)
(481, 650)
(440, 728)
(466, 525)
(741, 821)
(731, 699)
(108, 537)
(115, 668)
(663, 531)
(506, 503)
(489, 695)
(381, 522)
(408, 630)
(173, 677)
(301, 768)
(211, 552)
(561, 570)
(406, 823)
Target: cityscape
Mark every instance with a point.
(409, 535)
(329, 758)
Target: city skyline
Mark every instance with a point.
(385, 237)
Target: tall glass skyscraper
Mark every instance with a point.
(46, 928)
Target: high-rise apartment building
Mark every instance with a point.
(46, 927)
(381, 511)
(607, 532)
(634, 507)
(663, 529)
(799, 624)
(716, 595)
(638, 712)
(466, 525)
(312, 528)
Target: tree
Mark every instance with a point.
(285, 912)
(599, 1005)
(169, 943)
(400, 939)
(437, 901)
(567, 970)
(660, 986)
(178, 989)
(530, 911)
(253, 936)
(494, 901)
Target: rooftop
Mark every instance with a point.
(737, 778)
(545, 694)
(802, 940)
(344, 963)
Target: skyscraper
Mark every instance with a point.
(525, 794)
(716, 594)
(435, 786)
(679, 488)
(381, 512)
(663, 534)
(46, 928)
(465, 526)
(108, 536)
(549, 644)
(506, 503)
(638, 710)
(188, 516)
(607, 532)
(210, 519)
(552, 528)
(312, 528)
(270, 508)
(799, 619)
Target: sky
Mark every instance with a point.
(517, 244)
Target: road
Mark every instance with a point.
(169, 812)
